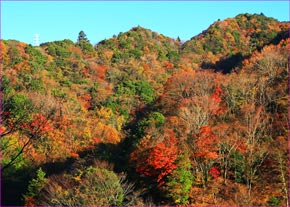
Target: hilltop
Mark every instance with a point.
(226, 43)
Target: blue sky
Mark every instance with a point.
(54, 20)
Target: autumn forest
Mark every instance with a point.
(141, 119)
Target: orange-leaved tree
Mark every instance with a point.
(33, 130)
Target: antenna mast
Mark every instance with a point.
(36, 40)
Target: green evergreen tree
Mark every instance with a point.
(82, 37)
(36, 184)
(84, 43)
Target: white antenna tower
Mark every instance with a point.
(36, 39)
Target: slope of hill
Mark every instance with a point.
(136, 120)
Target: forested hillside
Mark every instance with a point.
(144, 119)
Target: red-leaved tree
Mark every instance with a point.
(205, 151)
(156, 161)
